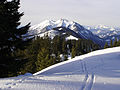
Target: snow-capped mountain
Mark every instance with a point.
(63, 27)
(105, 32)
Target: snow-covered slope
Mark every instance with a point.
(63, 27)
(98, 70)
(105, 32)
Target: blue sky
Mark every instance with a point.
(86, 12)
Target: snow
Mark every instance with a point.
(71, 38)
(48, 25)
(98, 70)
(105, 32)
(51, 34)
(26, 74)
(52, 24)
(72, 28)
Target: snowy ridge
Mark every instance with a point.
(94, 53)
(63, 27)
(50, 24)
(105, 32)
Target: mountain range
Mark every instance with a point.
(72, 30)
(107, 33)
(65, 28)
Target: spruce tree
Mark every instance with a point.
(115, 42)
(118, 43)
(106, 45)
(73, 52)
(58, 58)
(44, 59)
(10, 31)
(64, 47)
(111, 43)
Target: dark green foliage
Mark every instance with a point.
(44, 52)
(118, 43)
(115, 42)
(106, 45)
(38, 52)
(111, 43)
(43, 59)
(10, 35)
(73, 52)
(58, 59)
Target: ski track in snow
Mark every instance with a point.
(87, 72)
(89, 78)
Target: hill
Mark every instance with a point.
(98, 70)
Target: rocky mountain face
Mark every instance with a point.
(65, 28)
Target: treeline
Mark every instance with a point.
(114, 43)
(43, 52)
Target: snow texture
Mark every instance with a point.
(98, 70)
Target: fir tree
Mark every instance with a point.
(64, 47)
(43, 59)
(115, 42)
(118, 43)
(10, 30)
(58, 59)
(73, 52)
(111, 43)
(106, 45)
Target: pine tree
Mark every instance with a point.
(10, 30)
(111, 43)
(118, 43)
(11, 35)
(58, 59)
(115, 42)
(106, 45)
(44, 59)
(73, 52)
(65, 57)
(64, 47)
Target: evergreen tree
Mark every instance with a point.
(115, 42)
(106, 45)
(58, 59)
(111, 43)
(118, 43)
(65, 57)
(10, 30)
(73, 52)
(43, 59)
(64, 47)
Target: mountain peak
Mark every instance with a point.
(53, 24)
(102, 26)
(61, 27)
